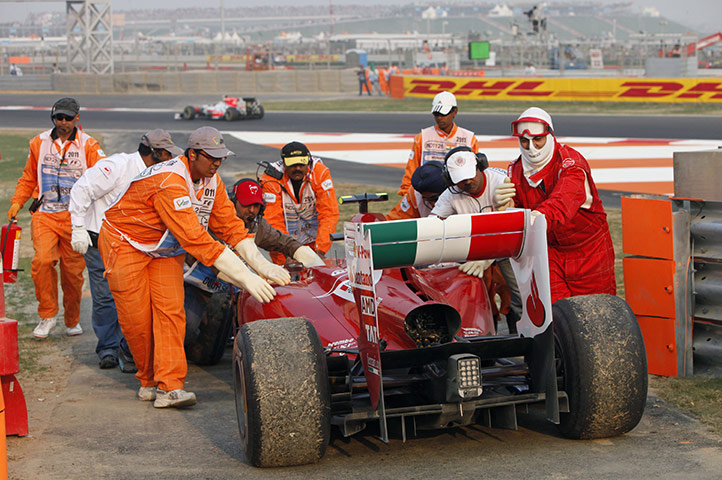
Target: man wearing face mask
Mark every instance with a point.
(555, 180)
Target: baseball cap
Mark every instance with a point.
(461, 166)
(443, 103)
(66, 106)
(294, 153)
(428, 178)
(210, 141)
(248, 192)
(160, 139)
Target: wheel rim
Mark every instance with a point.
(241, 404)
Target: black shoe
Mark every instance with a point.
(108, 361)
(125, 362)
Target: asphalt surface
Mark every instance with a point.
(97, 429)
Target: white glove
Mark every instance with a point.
(476, 267)
(534, 214)
(232, 270)
(270, 271)
(308, 257)
(80, 240)
(503, 195)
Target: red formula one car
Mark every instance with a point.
(384, 338)
(228, 108)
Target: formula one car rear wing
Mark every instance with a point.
(513, 234)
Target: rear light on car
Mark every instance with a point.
(463, 379)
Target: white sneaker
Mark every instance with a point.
(44, 327)
(76, 330)
(147, 394)
(174, 398)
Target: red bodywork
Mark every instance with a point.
(324, 298)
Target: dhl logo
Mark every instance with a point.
(569, 89)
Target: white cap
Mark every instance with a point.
(461, 166)
(443, 103)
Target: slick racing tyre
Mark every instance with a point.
(231, 114)
(601, 365)
(213, 331)
(258, 112)
(280, 381)
(189, 113)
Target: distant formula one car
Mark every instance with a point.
(229, 108)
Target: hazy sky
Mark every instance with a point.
(704, 15)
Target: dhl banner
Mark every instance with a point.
(566, 89)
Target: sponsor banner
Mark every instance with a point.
(569, 89)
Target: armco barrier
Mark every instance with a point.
(673, 281)
(567, 89)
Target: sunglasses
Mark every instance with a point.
(66, 118)
(212, 159)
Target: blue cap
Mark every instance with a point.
(428, 178)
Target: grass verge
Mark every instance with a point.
(421, 105)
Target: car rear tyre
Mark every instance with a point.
(280, 381)
(602, 366)
(258, 112)
(189, 113)
(214, 331)
(231, 114)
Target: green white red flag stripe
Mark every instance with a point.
(459, 238)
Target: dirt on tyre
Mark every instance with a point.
(214, 331)
(280, 380)
(601, 364)
(189, 113)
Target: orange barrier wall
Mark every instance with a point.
(671, 90)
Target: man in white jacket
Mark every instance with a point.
(89, 198)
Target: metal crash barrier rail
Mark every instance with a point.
(673, 278)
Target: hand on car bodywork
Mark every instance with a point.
(308, 257)
(476, 267)
(504, 195)
(270, 271)
(232, 270)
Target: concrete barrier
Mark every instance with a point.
(223, 82)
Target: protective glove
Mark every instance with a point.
(13, 212)
(503, 195)
(80, 240)
(232, 270)
(308, 257)
(270, 271)
(475, 267)
(534, 214)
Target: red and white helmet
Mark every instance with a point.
(532, 123)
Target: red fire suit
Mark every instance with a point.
(581, 256)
